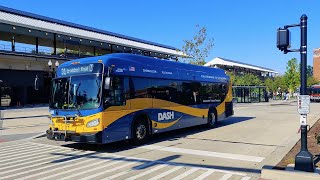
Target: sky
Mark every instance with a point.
(242, 30)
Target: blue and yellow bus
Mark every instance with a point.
(125, 96)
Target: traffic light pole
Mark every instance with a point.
(304, 159)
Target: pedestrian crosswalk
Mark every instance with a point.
(30, 160)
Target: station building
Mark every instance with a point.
(244, 93)
(33, 46)
(240, 68)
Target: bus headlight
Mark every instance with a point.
(93, 123)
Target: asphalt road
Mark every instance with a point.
(258, 135)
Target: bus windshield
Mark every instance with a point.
(76, 92)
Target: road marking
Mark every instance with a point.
(42, 167)
(147, 172)
(20, 155)
(13, 150)
(185, 174)
(48, 167)
(246, 178)
(71, 170)
(91, 170)
(107, 171)
(204, 153)
(226, 177)
(28, 162)
(23, 159)
(166, 173)
(116, 175)
(6, 146)
(126, 172)
(204, 175)
(55, 169)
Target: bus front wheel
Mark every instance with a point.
(140, 132)
(212, 120)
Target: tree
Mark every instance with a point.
(247, 79)
(271, 86)
(311, 81)
(198, 47)
(292, 75)
(309, 71)
(232, 76)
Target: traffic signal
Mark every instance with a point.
(283, 39)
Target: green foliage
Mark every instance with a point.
(311, 81)
(309, 70)
(232, 76)
(292, 75)
(248, 80)
(198, 47)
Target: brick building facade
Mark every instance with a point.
(316, 63)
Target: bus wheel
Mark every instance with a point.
(140, 132)
(212, 120)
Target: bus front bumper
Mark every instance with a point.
(92, 138)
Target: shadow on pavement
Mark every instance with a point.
(149, 163)
(167, 136)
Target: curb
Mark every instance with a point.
(290, 174)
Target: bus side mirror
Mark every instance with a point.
(36, 83)
(283, 39)
(107, 82)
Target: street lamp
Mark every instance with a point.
(50, 66)
(57, 64)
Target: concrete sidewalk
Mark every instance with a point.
(23, 123)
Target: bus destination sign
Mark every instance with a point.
(80, 69)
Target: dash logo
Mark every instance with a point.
(165, 116)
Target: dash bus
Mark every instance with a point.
(124, 96)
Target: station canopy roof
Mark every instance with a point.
(38, 22)
(227, 62)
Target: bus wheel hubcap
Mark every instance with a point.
(141, 131)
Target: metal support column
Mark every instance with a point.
(304, 159)
(37, 45)
(13, 44)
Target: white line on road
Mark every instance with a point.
(55, 169)
(27, 158)
(91, 170)
(185, 174)
(23, 154)
(204, 175)
(43, 167)
(245, 178)
(204, 153)
(16, 148)
(226, 177)
(147, 172)
(107, 171)
(27, 163)
(166, 173)
(71, 170)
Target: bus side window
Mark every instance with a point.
(116, 92)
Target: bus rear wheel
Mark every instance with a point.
(140, 132)
(212, 120)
